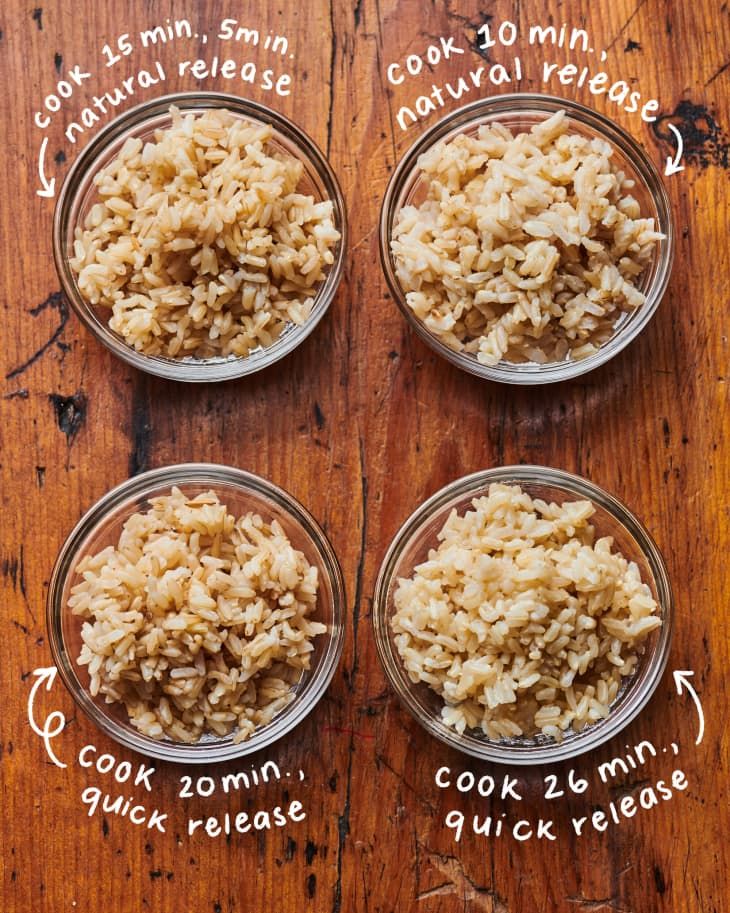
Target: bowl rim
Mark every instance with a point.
(205, 370)
(526, 103)
(535, 753)
(202, 752)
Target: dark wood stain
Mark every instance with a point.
(70, 412)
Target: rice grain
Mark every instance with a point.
(521, 619)
(197, 621)
(527, 247)
(201, 244)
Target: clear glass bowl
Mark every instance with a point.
(519, 112)
(78, 194)
(410, 547)
(240, 491)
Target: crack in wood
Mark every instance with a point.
(141, 430)
(333, 58)
(343, 830)
(360, 568)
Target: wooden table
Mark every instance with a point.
(362, 423)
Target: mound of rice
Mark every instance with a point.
(527, 247)
(521, 619)
(200, 244)
(196, 621)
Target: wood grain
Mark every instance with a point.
(361, 423)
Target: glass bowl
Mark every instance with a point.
(79, 193)
(410, 547)
(241, 492)
(519, 112)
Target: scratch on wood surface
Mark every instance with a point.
(57, 302)
(345, 730)
(588, 905)
(458, 882)
(416, 791)
(626, 24)
(717, 73)
(365, 239)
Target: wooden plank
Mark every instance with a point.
(361, 424)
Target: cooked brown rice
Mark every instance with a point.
(200, 243)
(521, 619)
(527, 247)
(196, 621)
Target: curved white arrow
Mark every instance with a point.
(673, 166)
(55, 719)
(682, 680)
(49, 187)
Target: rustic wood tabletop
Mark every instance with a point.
(362, 423)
